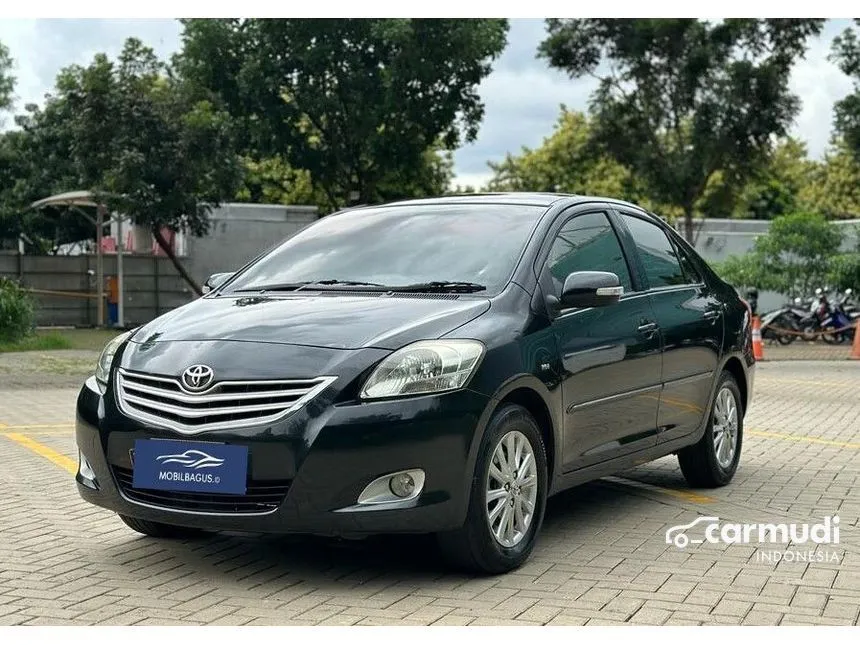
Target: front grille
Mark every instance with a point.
(260, 496)
(161, 400)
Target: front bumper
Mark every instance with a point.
(326, 452)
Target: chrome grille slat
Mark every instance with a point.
(208, 398)
(162, 401)
(195, 413)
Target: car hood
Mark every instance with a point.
(337, 321)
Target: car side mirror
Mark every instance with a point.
(216, 280)
(591, 289)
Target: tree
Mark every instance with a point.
(356, 102)
(833, 185)
(143, 141)
(7, 81)
(36, 160)
(846, 53)
(798, 253)
(565, 162)
(775, 187)
(273, 181)
(679, 100)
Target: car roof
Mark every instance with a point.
(543, 199)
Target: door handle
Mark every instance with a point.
(648, 329)
(713, 314)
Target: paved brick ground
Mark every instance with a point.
(803, 351)
(601, 558)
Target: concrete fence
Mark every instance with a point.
(237, 234)
(152, 286)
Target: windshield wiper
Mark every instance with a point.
(441, 286)
(296, 286)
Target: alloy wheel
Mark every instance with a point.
(511, 489)
(725, 424)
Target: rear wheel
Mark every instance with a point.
(159, 530)
(508, 497)
(713, 460)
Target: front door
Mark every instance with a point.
(609, 357)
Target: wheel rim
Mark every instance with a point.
(511, 489)
(725, 427)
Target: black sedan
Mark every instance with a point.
(436, 366)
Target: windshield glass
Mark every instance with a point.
(402, 245)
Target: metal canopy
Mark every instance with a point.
(74, 200)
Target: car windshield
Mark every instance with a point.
(474, 245)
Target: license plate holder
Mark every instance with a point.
(190, 466)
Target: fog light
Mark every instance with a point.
(402, 484)
(86, 474)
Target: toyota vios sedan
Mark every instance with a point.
(434, 366)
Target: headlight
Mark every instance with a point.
(424, 367)
(106, 358)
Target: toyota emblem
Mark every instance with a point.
(197, 377)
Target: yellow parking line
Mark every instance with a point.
(67, 424)
(803, 438)
(686, 495)
(44, 451)
(51, 433)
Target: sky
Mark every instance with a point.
(522, 95)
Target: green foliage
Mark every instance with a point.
(684, 98)
(150, 146)
(833, 186)
(37, 342)
(273, 181)
(356, 102)
(565, 162)
(7, 81)
(799, 252)
(16, 312)
(846, 53)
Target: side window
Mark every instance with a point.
(657, 253)
(587, 243)
(690, 270)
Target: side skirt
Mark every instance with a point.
(613, 466)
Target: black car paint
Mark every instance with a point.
(603, 402)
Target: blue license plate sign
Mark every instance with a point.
(190, 466)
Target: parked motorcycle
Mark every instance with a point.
(774, 325)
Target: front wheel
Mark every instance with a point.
(713, 460)
(508, 497)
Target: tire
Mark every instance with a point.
(475, 546)
(831, 338)
(701, 464)
(159, 530)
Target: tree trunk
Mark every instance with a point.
(156, 232)
(688, 225)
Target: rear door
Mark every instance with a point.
(608, 357)
(690, 317)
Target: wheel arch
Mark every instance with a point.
(734, 367)
(531, 393)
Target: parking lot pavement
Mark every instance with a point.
(601, 559)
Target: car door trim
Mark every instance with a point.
(613, 397)
(692, 378)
